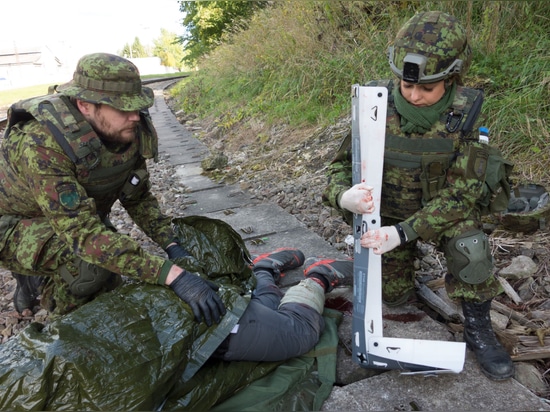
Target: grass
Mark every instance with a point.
(7, 97)
(297, 60)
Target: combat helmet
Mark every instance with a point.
(430, 47)
(108, 79)
(528, 209)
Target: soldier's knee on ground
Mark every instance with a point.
(469, 257)
(85, 279)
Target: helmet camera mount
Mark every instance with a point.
(414, 66)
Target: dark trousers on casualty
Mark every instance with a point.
(267, 332)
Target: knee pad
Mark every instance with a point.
(89, 280)
(469, 257)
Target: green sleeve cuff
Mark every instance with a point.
(409, 231)
(171, 240)
(164, 272)
(338, 199)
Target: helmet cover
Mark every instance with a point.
(430, 47)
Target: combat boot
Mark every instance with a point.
(279, 261)
(26, 291)
(493, 359)
(331, 271)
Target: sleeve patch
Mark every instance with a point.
(68, 195)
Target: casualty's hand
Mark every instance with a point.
(201, 295)
(381, 240)
(175, 251)
(358, 199)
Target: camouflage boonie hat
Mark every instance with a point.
(528, 209)
(430, 47)
(108, 79)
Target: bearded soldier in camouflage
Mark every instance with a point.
(434, 171)
(65, 159)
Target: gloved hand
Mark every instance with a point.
(358, 199)
(381, 240)
(201, 295)
(176, 251)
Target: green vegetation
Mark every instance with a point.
(135, 50)
(294, 61)
(169, 50)
(206, 22)
(7, 97)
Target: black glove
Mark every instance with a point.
(176, 251)
(201, 295)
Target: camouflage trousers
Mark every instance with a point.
(30, 247)
(398, 272)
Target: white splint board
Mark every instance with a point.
(370, 348)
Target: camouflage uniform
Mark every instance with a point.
(427, 189)
(58, 185)
(435, 182)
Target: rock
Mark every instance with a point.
(525, 290)
(530, 377)
(499, 320)
(214, 161)
(520, 268)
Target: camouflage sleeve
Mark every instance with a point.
(57, 194)
(339, 176)
(146, 213)
(456, 202)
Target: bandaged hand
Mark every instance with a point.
(381, 240)
(358, 199)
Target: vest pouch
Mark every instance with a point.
(136, 184)
(433, 176)
(497, 188)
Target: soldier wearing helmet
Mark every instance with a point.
(434, 173)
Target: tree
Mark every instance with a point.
(206, 21)
(134, 51)
(169, 50)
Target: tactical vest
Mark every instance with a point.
(101, 172)
(415, 165)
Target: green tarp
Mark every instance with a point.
(138, 348)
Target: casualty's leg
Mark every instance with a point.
(268, 268)
(292, 329)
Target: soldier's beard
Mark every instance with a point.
(111, 135)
